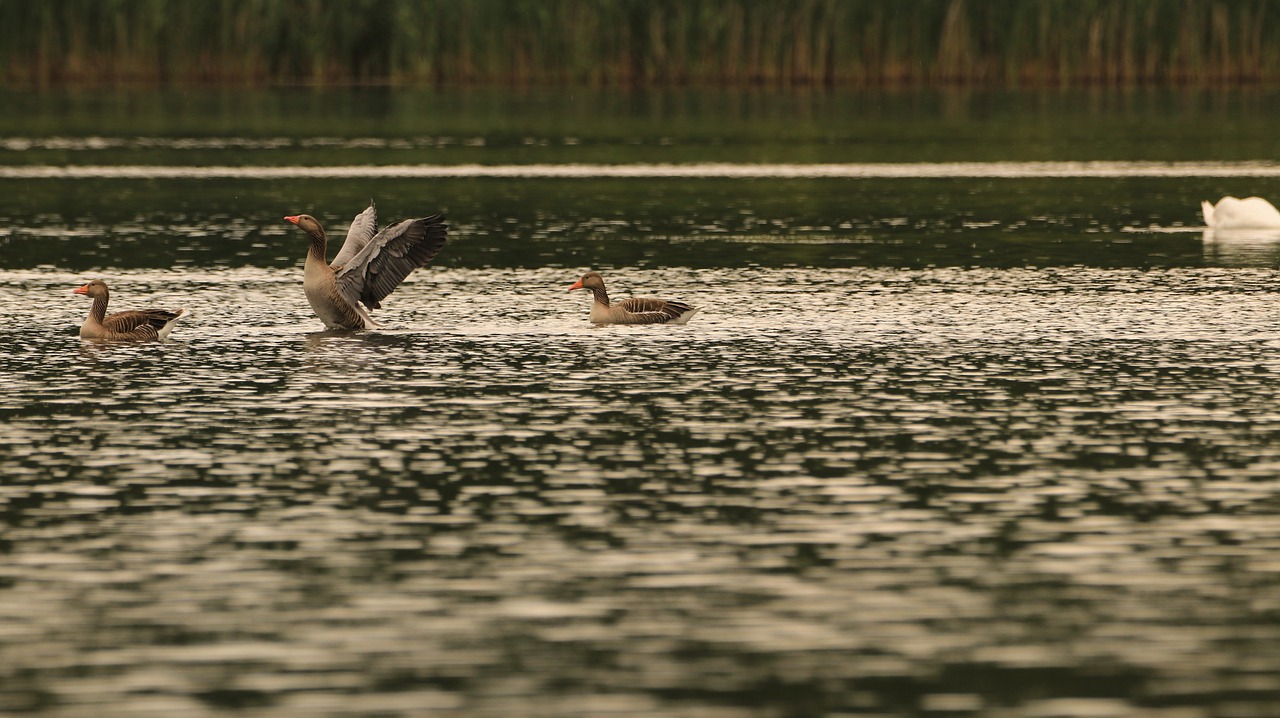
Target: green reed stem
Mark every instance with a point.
(630, 42)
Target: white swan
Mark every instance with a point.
(1248, 213)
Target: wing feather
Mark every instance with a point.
(141, 324)
(389, 257)
(643, 310)
(363, 228)
(128, 321)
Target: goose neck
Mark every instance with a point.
(317, 248)
(99, 309)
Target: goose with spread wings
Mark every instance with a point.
(370, 265)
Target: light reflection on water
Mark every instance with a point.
(645, 170)
(633, 223)
(946, 491)
(1241, 248)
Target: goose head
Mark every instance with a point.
(307, 223)
(590, 280)
(96, 288)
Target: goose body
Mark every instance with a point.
(640, 310)
(139, 326)
(368, 267)
(1248, 213)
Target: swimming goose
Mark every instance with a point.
(142, 325)
(631, 311)
(369, 266)
(1248, 213)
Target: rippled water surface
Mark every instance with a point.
(938, 444)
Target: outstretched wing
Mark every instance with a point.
(642, 310)
(389, 257)
(363, 227)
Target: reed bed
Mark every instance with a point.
(643, 42)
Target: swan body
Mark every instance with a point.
(1248, 213)
(368, 267)
(136, 326)
(639, 310)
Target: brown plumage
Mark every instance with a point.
(369, 266)
(641, 310)
(138, 326)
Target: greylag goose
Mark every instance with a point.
(639, 310)
(370, 265)
(140, 326)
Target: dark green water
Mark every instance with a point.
(934, 446)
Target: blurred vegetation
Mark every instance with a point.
(642, 42)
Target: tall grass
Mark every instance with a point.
(629, 42)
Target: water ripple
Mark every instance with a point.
(879, 170)
(892, 490)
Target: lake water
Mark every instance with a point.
(975, 420)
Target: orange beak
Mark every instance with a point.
(293, 219)
(576, 285)
(81, 290)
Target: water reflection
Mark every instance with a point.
(684, 170)
(1242, 247)
(637, 222)
(840, 490)
(949, 437)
